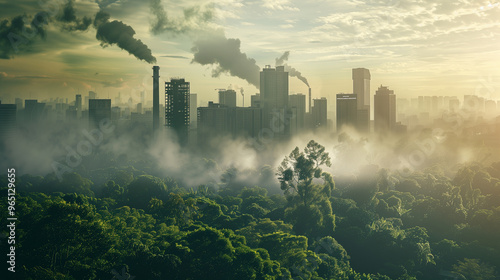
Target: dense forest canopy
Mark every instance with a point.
(123, 223)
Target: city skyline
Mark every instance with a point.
(425, 49)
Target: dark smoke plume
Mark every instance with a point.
(18, 34)
(12, 33)
(226, 54)
(291, 71)
(116, 32)
(71, 21)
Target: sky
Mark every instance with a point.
(59, 48)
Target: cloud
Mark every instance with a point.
(194, 18)
(4, 75)
(175, 56)
(279, 5)
(118, 83)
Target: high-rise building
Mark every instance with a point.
(274, 101)
(218, 120)
(347, 107)
(319, 113)
(78, 102)
(193, 105)
(274, 87)
(227, 97)
(33, 110)
(297, 103)
(385, 109)
(361, 87)
(255, 100)
(99, 110)
(177, 97)
(19, 103)
(7, 119)
(156, 97)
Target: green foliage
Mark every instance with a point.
(474, 269)
(375, 226)
(141, 190)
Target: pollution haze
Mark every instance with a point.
(264, 139)
(416, 49)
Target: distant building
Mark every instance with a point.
(361, 87)
(227, 97)
(274, 87)
(8, 120)
(33, 110)
(217, 120)
(347, 107)
(138, 108)
(177, 97)
(99, 110)
(385, 109)
(193, 105)
(454, 105)
(255, 101)
(319, 113)
(78, 102)
(297, 103)
(71, 113)
(276, 113)
(19, 103)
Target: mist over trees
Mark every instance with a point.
(121, 221)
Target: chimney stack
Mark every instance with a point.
(156, 97)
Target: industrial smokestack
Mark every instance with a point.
(156, 97)
(310, 99)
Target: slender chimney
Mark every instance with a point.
(310, 99)
(156, 97)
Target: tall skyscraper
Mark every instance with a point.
(156, 97)
(319, 113)
(297, 103)
(7, 119)
(193, 105)
(361, 87)
(385, 109)
(78, 102)
(177, 99)
(227, 97)
(274, 87)
(347, 107)
(99, 110)
(274, 101)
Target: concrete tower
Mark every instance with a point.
(156, 97)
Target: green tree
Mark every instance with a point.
(474, 269)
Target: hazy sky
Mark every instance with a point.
(423, 47)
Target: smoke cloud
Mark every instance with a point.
(214, 49)
(291, 71)
(19, 34)
(13, 33)
(116, 32)
(71, 21)
(226, 55)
